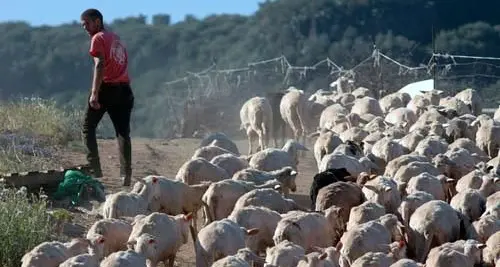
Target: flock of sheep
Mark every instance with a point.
(401, 181)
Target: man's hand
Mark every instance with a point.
(94, 100)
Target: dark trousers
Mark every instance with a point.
(118, 101)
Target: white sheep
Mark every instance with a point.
(256, 117)
(365, 212)
(491, 254)
(221, 197)
(159, 236)
(394, 165)
(269, 198)
(328, 116)
(325, 144)
(434, 185)
(286, 176)
(367, 105)
(471, 248)
(130, 204)
(411, 202)
(375, 124)
(406, 263)
(127, 258)
(220, 239)
(431, 146)
(391, 101)
(306, 229)
(175, 197)
(243, 258)
(470, 203)
(272, 159)
(454, 105)
(487, 135)
(472, 180)
(220, 140)
(51, 254)
(209, 152)
(82, 260)
(378, 259)
(402, 116)
(447, 257)
(107, 236)
(385, 150)
(384, 191)
(471, 146)
(433, 223)
(411, 140)
(413, 169)
(293, 110)
(486, 226)
(230, 163)
(323, 257)
(492, 200)
(355, 134)
(456, 162)
(197, 170)
(338, 160)
(472, 99)
(286, 253)
(372, 236)
(261, 218)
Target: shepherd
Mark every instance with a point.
(110, 92)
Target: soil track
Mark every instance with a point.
(164, 157)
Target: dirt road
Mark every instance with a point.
(162, 157)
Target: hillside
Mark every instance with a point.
(53, 62)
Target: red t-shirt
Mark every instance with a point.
(115, 56)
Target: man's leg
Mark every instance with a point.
(90, 122)
(120, 117)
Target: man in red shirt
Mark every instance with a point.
(111, 92)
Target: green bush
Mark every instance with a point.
(25, 224)
(40, 117)
(32, 130)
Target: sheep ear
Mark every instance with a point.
(338, 247)
(323, 256)
(140, 180)
(188, 217)
(481, 246)
(293, 172)
(252, 231)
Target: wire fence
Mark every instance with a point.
(214, 95)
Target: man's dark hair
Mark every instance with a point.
(93, 14)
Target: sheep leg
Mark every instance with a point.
(170, 260)
(492, 149)
(265, 133)
(250, 141)
(261, 140)
(194, 221)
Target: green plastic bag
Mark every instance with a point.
(73, 185)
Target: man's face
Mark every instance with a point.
(90, 26)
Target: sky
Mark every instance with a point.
(54, 12)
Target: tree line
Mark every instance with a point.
(53, 61)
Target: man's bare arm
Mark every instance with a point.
(98, 73)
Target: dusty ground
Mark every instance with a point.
(164, 157)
